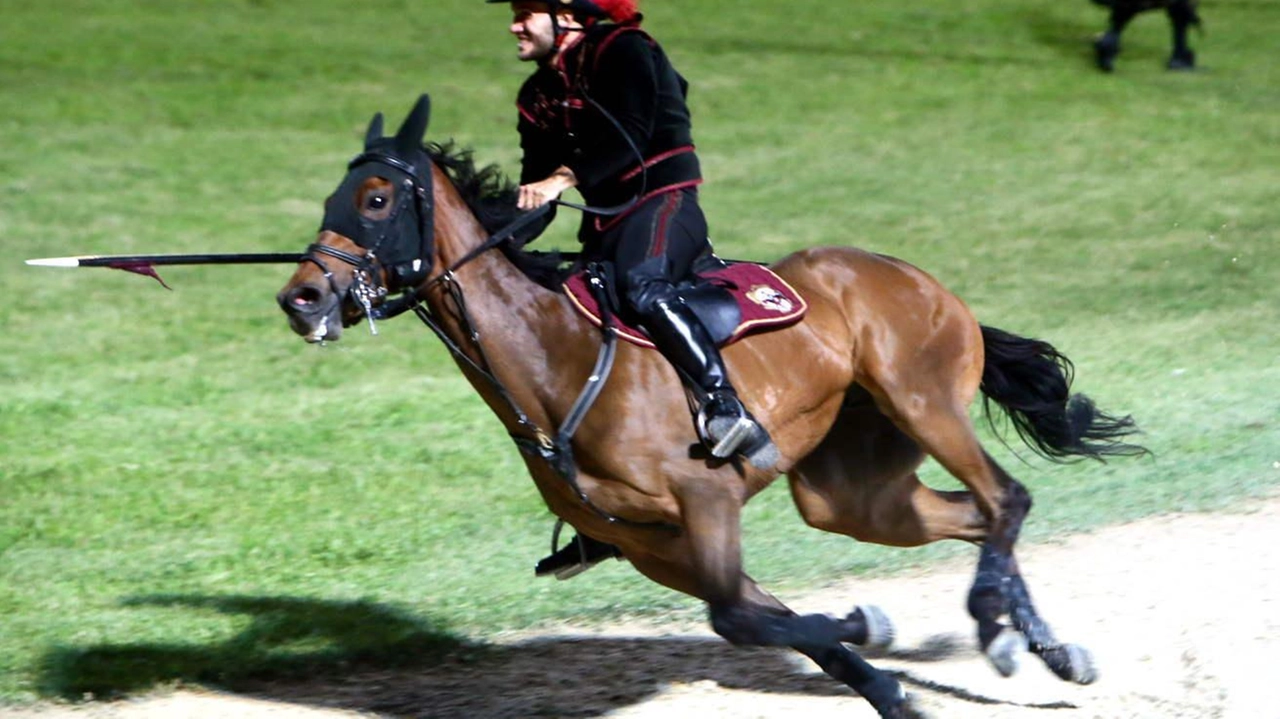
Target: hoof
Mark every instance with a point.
(1073, 663)
(1005, 651)
(880, 629)
(1182, 61)
(1105, 49)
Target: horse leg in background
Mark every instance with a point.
(1182, 15)
(1107, 46)
(745, 615)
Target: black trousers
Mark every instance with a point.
(651, 248)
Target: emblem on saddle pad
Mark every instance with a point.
(770, 298)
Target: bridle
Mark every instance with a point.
(403, 258)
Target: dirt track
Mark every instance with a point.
(1182, 614)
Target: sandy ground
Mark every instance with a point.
(1181, 612)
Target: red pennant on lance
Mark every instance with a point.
(140, 268)
(766, 300)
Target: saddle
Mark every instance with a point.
(733, 300)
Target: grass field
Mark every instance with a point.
(187, 492)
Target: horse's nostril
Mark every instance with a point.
(305, 296)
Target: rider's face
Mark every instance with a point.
(535, 34)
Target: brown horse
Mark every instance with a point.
(877, 377)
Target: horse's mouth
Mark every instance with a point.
(317, 318)
(320, 333)
(316, 329)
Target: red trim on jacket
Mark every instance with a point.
(603, 224)
(629, 174)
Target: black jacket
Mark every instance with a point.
(566, 106)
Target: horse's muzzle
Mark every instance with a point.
(313, 312)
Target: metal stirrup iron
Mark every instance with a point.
(737, 434)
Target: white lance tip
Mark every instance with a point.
(56, 262)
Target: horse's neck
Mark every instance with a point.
(511, 326)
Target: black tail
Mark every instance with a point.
(1031, 381)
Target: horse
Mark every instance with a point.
(891, 362)
(1182, 15)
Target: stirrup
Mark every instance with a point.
(732, 438)
(726, 434)
(577, 556)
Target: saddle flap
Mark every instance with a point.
(715, 307)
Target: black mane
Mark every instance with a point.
(489, 193)
(491, 196)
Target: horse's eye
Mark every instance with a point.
(376, 202)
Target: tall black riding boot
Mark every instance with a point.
(724, 425)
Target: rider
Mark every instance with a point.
(605, 112)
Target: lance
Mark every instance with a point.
(146, 264)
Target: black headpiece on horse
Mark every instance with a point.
(401, 242)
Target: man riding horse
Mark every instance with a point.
(605, 113)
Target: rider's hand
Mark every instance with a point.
(537, 194)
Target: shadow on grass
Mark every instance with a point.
(361, 656)
(287, 638)
(1068, 38)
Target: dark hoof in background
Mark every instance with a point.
(1105, 50)
(1182, 61)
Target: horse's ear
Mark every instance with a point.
(374, 132)
(409, 136)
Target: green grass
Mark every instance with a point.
(187, 492)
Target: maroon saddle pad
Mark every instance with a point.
(765, 299)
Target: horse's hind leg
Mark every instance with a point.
(860, 481)
(945, 432)
(708, 565)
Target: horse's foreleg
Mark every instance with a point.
(1182, 15)
(743, 614)
(818, 637)
(1107, 46)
